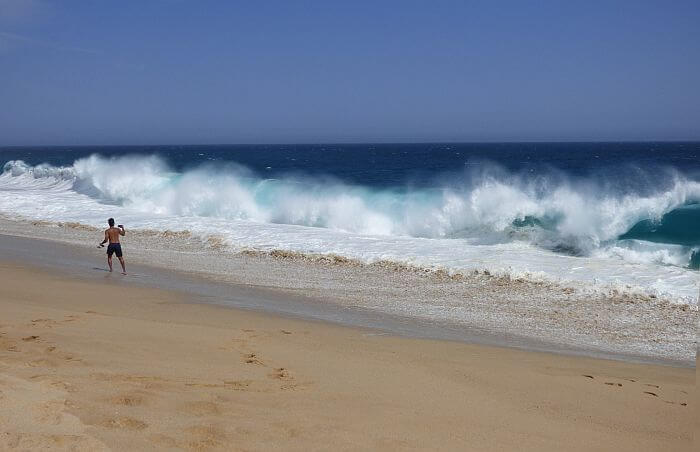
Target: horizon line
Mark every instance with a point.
(346, 143)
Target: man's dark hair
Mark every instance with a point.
(111, 222)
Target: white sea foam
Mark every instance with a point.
(462, 226)
(642, 252)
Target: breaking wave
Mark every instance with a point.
(651, 219)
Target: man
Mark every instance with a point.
(112, 236)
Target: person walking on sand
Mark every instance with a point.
(112, 236)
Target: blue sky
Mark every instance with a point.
(176, 71)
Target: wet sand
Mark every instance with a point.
(473, 308)
(97, 364)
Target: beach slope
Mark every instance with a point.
(97, 365)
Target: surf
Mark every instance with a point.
(508, 223)
(494, 205)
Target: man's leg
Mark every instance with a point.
(109, 262)
(121, 261)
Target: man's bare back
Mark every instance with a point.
(112, 236)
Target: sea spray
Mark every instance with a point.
(507, 222)
(486, 207)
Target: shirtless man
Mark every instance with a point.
(112, 236)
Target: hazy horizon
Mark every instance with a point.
(188, 73)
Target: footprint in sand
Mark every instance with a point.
(653, 394)
(62, 385)
(124, 423)
(252, 358)
(127, 400)
(281, 374)
(295, 386)
(609, 383)
(670, 402)
(50, 323)
(44, 322)
(676, 403)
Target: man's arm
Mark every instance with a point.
(105, 240)
(122, 231)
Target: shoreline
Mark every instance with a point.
(489, 310)
(97, 364)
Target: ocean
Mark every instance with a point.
(594, 217)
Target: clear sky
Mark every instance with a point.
(176, 71)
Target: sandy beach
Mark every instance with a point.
(335, 226)
(475, 308)
(97, 365)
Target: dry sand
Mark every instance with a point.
(92, 365)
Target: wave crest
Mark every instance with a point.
(493, 206)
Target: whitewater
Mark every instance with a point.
(550, 229)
